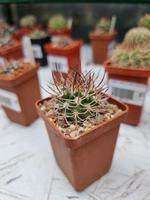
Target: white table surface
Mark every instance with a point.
(28, 170)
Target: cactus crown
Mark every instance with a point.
(145, 21)
(37, 34)
(103, 24)
(5, 41)
(63, 42)
(137, 37)
(28, 21)
(11, 67)
(57, 22)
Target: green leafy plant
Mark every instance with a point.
(78, 103)
(28, 21)
(103, 25)
(57, 22)
(145, 21)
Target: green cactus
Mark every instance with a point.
(145, 21)
(137, 37)
(103, 24)
(38, 34)
(57, 22)
(28, 21)
(133, 58)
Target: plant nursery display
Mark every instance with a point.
(38, 40)
(64, 55)
(58, 25)
(19, 90)
(102, 39)
(80, 118)
(145, 21)
(128, 70)
(9, 49)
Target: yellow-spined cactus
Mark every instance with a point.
(145, 21)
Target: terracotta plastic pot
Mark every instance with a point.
(62, 32)
(129, 86)
(13, 51)
(39, 52)
(65, 59)
(18, 95)
(89, 157)
(101, 43)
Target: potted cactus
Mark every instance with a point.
(38, 40)
(19, 89)
(58, 25)
(144, 21)
(102, 39)
(10, 49)
(28, 23)
(5, 29)
(82, 124)
(128, 70)
(64, 55)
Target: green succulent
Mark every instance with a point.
(28, 21)
(103, 24)
(137, 37)
(145, 21)
(133, 58)
(57, 22)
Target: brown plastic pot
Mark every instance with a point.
(61, 32)
(13, 51)
(139, 76)
(70, 53)
(25, 87)
(89, 157)
(100, 45)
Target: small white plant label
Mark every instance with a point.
(128, 92)
(111, 47)
(58, 63)
(37, 51)
(9, 100)
(2, 61)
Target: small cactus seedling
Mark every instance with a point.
(11, 67)
(77, 103)
(103, 25)
(57, 22)
(37, 34)
(145, 21)
(137, 37)
(63, 42)
(6, 41)
(28, 21)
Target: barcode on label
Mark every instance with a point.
(9, 100)
(59, 63)
(128, 92)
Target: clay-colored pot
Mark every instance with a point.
(61, 32)
(130, 82)
(89, 157)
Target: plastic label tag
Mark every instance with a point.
(2, 61)
(111, 46)
(128, 92)
(37, 51)
(9, 100)
(59, 63)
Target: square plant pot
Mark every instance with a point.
(129, 86)
(89, 157)
(101, 44)
(39, 52)
(18, 94)
(12, 51)
(64, 59)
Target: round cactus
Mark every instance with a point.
(133, 58)
(57, 22)
(137, 37)
(103, 24)
(5, 41)
(28, 21)
(37, 34)
(11, 67)
(145, 21)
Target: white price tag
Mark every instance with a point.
(111, 46)
(128, 92)
(37, 51)
(2, 61)
(9, 100)
(59, 63)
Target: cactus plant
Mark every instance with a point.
(145, 21)
(63, 42)
(6, 41)
(137, 37)
(28, 21)
(103, 25)
(37, 34)
(11, 67)
(57, 22)
(77, 103)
